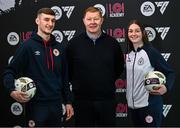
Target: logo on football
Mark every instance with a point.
(154, 79)
(27, 85)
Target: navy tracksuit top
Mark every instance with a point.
(45, 63)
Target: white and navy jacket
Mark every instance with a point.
(138, 64)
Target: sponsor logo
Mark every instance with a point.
(25, 35)
(121, 110)
(148, 8)
(117, 33)
(101, 8)
(163, 5)
(37, 53)
(166, 109)
(163, 31)
(68, 10)
(69, 34)
(120, 85)
(151, 33)
(59, 11)
(13, 38)
(7, 6)
(141, 61)
(112, 9)
(115, 9)
(152, 81)
(16, 108)
(58, 35)
(166, 55)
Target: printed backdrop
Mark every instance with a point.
(159, 16)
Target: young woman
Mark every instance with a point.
(145, 107)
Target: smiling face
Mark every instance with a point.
(93, 22)
(45, 23)
(135, 34)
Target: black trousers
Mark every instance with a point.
(147, 116)
(94, 113)
(44, 114)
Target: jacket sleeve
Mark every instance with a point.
(119, 60)
(160, 64)
(14, 68)
(69, 60)
(67, 93)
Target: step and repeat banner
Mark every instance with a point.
(17, 21)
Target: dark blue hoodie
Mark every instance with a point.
(45, 63)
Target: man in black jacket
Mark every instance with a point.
(95, 61)
(42, 59)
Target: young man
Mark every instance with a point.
(42, 59)
(95, 61)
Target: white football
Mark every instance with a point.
(154, 79)
(27, 85)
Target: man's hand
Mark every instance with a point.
(19, 96)
(69, 111)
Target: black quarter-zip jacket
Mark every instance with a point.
(45, 63)
(94, 66)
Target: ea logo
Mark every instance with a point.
(13, 38)
(58, 35)
(147, 8)
(16, 108)
(57, 11)
(151, 33)
(101, 8)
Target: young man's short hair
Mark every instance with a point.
(48, 11)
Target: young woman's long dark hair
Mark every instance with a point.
(144, 35)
